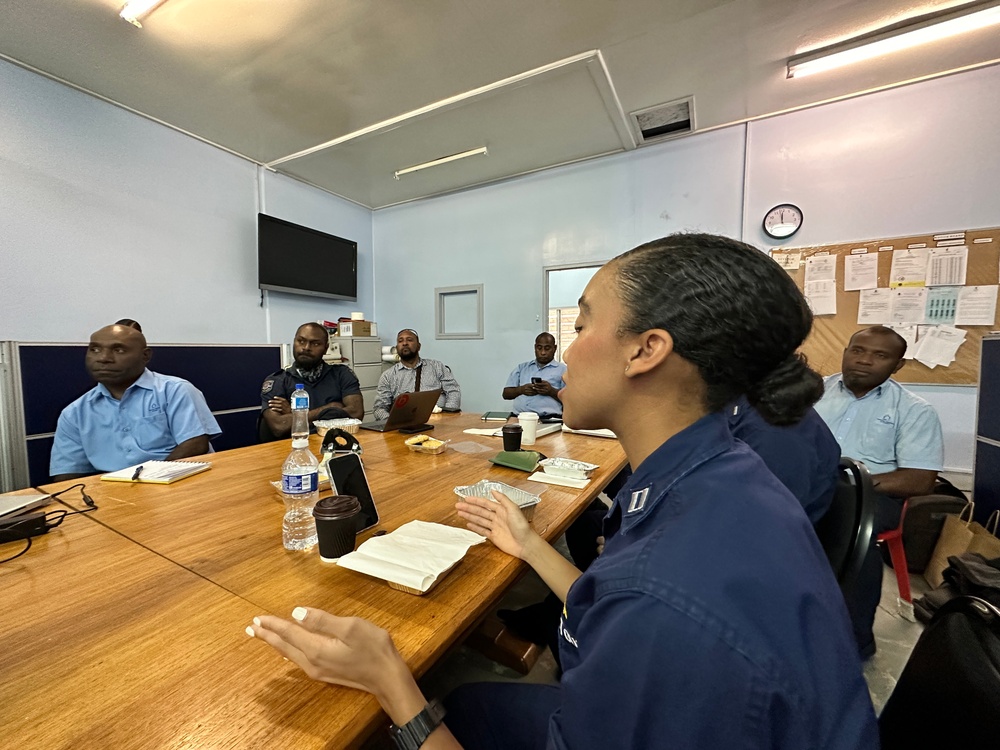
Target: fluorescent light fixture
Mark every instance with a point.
(443, 160)
(135, 9)
(903, 35)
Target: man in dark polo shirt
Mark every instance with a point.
(334, 391)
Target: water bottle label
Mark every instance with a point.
(300, 402)
(298, 484)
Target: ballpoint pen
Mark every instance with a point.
(138, 471)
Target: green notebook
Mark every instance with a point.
(521, 460)
(496, 416)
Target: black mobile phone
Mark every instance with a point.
(347, 477)
(536, 380)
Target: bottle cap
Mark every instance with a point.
(298, 387)
(300, 443)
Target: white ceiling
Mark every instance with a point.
(393, 83)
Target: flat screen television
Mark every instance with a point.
(293, 258)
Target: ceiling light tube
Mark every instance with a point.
(443, 160)
(135, 9)
(910, 33)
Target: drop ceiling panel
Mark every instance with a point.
(555, 118)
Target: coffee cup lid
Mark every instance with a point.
(337, 506)
(529, 415)
(511, 428)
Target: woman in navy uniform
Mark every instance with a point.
(712, 618)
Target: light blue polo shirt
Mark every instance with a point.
(98, 433)
(522, 375)
(888, 428)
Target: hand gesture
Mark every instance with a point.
(499, 520)
(545, 388)
(279, 405)
(528, 389)
(345, 651)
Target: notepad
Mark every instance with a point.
(158, 472)
(496, 416)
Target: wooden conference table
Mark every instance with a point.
(123, 628)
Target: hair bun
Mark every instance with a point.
(784, 395)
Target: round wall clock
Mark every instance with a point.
(782, 221)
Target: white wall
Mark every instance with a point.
(104, 214)
(502, 236)
(919, 159)
(299, 203)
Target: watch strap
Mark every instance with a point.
(415, 732)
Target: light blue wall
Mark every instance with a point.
(104, 214)
(918, 159)
(297, 202)
(502, 236)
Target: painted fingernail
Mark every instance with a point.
(249, 631)
(256, 621)
(299, 614)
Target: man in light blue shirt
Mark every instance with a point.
(896, 433)
(534, 385)
(132, 415)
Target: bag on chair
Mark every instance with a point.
(954, 540)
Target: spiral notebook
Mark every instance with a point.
(158, 472)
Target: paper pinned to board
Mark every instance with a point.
(977, 306)
(947, 266)
(939, 346)
(821, 268)
(860, 272)
(875, 307)
(822, 297)
(909, 305)
(909, 267)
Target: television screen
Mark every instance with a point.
(292, 258)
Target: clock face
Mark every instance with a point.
(782, 221)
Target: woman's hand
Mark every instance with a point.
(502, 522)
(345, 651)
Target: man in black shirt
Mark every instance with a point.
(334, 391)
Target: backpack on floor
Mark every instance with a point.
(949, 692)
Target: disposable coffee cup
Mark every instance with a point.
(529, 426)
(511, 437)
(336, 525)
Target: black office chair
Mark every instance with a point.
(847, 528)
(949, 692)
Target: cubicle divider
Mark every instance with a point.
(38, 380)
(986, 487)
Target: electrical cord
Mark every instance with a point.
(53, 518)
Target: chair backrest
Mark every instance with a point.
(949, 692)
(847, 528)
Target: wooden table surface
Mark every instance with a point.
(124, 627)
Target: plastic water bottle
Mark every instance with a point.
(299, 480)
(300, 413)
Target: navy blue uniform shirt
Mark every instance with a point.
(803, 456)
(336, 382)
(712, 619)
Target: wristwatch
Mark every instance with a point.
(415, 732)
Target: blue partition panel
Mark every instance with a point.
(53, 375)
(986, 491)
(988, 423)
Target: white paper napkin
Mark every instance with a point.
(415, 555)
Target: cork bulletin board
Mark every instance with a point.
(830, 333)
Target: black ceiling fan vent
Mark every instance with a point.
(664, 121)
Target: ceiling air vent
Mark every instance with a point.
(663, 121)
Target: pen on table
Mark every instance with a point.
(138, 471)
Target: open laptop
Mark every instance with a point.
(410, 411)
(15, 505)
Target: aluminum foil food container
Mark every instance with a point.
(566, 467)
(482, 488)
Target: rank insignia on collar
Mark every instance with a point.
(638, 500)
